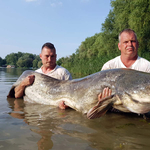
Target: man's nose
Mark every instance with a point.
(129, 42)
(49, 58)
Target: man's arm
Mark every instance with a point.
(19, 90)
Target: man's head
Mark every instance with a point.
(128, 43)
(48, 55)
(127, 31)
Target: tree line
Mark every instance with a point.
(98, 49)
(90, 56)
(21, 60)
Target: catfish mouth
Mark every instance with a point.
(137, 103)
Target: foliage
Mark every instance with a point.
(96, 50)
(2, 61)
(39, 64)
(21, 60)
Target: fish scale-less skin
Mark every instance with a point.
(130, 91)
(78, 94)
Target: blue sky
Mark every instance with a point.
(25, 25)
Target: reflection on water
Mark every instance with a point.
(35, 126)
(9, 75)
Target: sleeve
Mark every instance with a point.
(106, 66)
(148, 68)
(67, 75)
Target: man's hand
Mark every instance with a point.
(28, 80)
(19, 90)
(106, 92)
(62, 105)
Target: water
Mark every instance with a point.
(26, 126)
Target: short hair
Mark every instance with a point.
(48, 45)
(127, 31)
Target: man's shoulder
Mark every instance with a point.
(142, 64)
(63, 72)
(111, 63)
(143, 60)
(60, 68)
(114, 60)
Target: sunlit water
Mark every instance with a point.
(25, 126)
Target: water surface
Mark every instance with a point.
(26, 126)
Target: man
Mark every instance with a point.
(128, 45)
(48, 56)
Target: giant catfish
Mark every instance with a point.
(130, 91)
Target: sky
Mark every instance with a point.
(25, 25)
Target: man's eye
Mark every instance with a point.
(133, 41)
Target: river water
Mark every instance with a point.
(25, 126)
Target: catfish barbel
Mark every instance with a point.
(130, 91)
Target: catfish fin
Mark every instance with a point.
(101, 107)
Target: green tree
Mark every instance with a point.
(137, 19)
(25, 62)
(20, 62)
(103, 46)
(90, 56)
(39, 64)
(11, 59)
(35, 63)
(1, 61)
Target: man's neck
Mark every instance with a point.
(128, 61)
(47, 69)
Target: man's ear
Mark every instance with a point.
(119, 46)
(40, 55)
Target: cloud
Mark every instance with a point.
(30, 0)
(55, 3)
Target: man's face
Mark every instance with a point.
(128, 44)
(48, 57)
